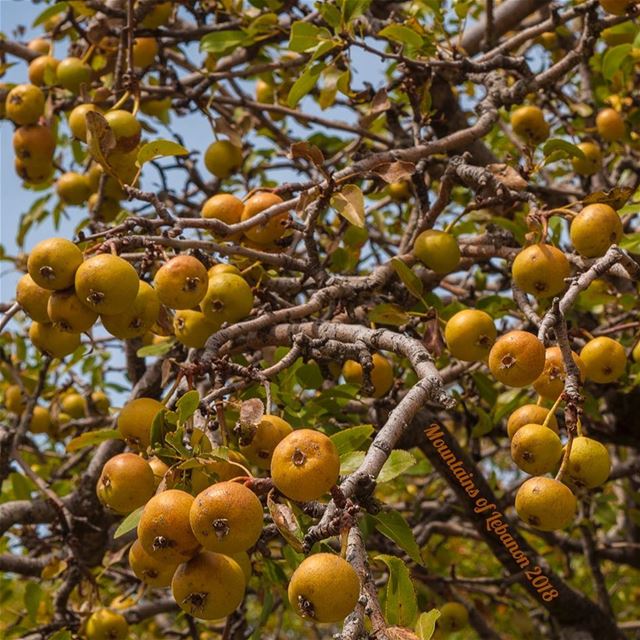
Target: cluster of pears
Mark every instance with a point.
(199, 525)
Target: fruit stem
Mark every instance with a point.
(120, 102)
(87, 55)
(457, 219)
(565, 458)
(579, 427)
(551, 411)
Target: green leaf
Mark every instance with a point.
(557, 144)
(160, 149)
(306, 36)
(400, 606)
(63, 634)
(305, 83)
(395, 527)
(22, 486)
(613, 59)
(153, 350)
(350, 462)
(286, 522)
(397, 463)
(352, 438)
(409, 279)
(50, 12)
(352, 9)
(90, 438)
(401, 34)
(349, 203)
(129, 523)
(388, 313)
(37, 212)
(631, 242)
(426, 625)
(187, 405)
(32, 597)
(309, 376)
(220, 41)
(329, 13)
(485, 387)
(484, 425)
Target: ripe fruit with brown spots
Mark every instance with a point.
(470, 334)
(453, 617)
(209, 586)
(268, 433)
(126, 129)
(135, 420)
(536, 449)
(126, 483)
(78, 120)
(610, 125)
(604, 359)
(53, 263)
(592, 161)
(517, 358)
(273, 229)
(305, 465)
(437, 250)
(52, 340)
(530, 414)
(192, 328)
(107, 284)
(33, 299)
(226, 518)
(164, 530)
(181, 283)
(34, 172)
(104, 624)
(222, 158)
(25, 104)
(550, 383)
(382, 377)
(147, 568)
(324, 588)
(72, 73)
(595, 229)
(138, 318)
(545, 504)
(589, 464)
(34, 142)
(529, 124)
(540, 270)
(228, 299)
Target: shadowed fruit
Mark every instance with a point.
(324, 588)
(545, 504)
(222, 158)
(228, 299)
(72, 73)
(138, 318)
(126, 129)
(536, 449)
(268, 433)
(33, 299)
(437, 250)
(34, 172)
(100, 402)
(53, 263)
(147, 568)
(595, 229)
(135, 420)
(73, 188)
(74, 405)
(615, 7)
(529, 124)
(78, 120)
(224, 207)
(164, 531)
(266, 232)
(517, 358)
(243, 559)
(107, 211)
(218, 471)
(192, 328)
(24, 104)
(470, 334)
(145, 51)
(40, 420)
(540, 270)
(34, 143)
(591, 163)
(529, 414)
(126, 483)
(209, 586)
(453, 617)
(104, 624)
(13, 400)
(550, 383)
(610, 125)
(589, 463)
(159, 15)
(107, 284)
(382, 377)
(226, 518)
(223, 268)
(604, 359)
(305, 465)
(181, 283)
(53, 341)
(159, 469)
(68, 312)
(400, 191)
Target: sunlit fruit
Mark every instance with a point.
(34, 142)
(72, 73)
(545, 504)
(24, 104)
(33, 299)
(228, 299)
(104, 624)
(258, 449)
(224, 207)
(145, 51)
(135, 421)
(181, 283)
(126, 483)
(592, 161)
(107, 284)
(604, 359)
(138, 318)
(52, 340)
(53, 263)
(382, 377)
(529, 124)
(222, 158)
(73, 188)
(535, 449)
(40, 45)
(267, 231)
(437, 250)
(540, 270)
(126, 129)
(610, 125)
(595, 229)
(305, 465)
(42, 71)
(148, 569)
(324, 588)
(192, 328)
(517, 358)
(550, 383)
(530, 414)
(470, 334)
(453, 617)
(589, 463)
(209, 586)
(78, 120)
